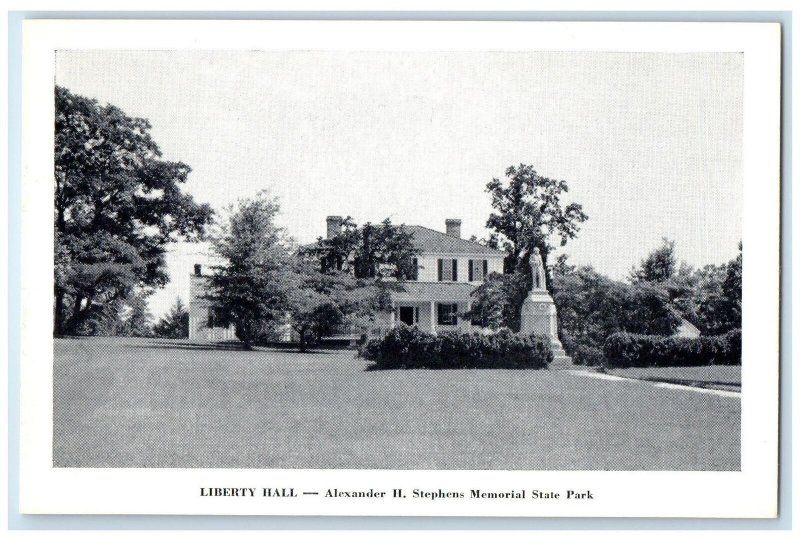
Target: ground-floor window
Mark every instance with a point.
(214, 320)
(409, 315)
(446, 314)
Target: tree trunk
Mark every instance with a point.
(302, 335)
(58, 315)
(77, 314)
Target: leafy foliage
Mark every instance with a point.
(659, 266)
(120, 317)
(250, 290)
(117, 205)
(320, 302)
(370, 251)
(588, 356)
(528, 213)
(592, 306)
(265, 285)
(175, 324)
(709, 297)
(139, 320)
(497, 301)
(409, 347)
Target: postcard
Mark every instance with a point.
(400, 268)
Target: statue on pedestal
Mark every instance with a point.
(538, 315)
(537, 271)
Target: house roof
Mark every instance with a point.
(686, 328)
(432, 241)
(433, 291)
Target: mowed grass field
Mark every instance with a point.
(724, 376)
(173, 404)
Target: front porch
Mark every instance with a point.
(431, 316)
(432, 306)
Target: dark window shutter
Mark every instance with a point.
(440, 269)
(471, 263)
(415, 270)
(485, 268)
(455, 270)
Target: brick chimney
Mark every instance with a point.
(334, 226)
(453, 226)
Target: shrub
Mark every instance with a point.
(409, 347)
(588, 356)
(625, 350)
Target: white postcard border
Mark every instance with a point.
(749, 493)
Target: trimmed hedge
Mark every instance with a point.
(409, 347)
(626, 350)
(588, 356)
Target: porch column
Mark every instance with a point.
(433, 317)
(468, 322)
(392, 317)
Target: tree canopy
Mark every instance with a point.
(592, 306)
(370, 251)
(709, 297)
(118, 203)
(174, 324)
(249, 289)
(319, 302)
(528, 212)
(265, 284)
(659, 266)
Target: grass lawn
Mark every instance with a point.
(162, 403)
(715, 376)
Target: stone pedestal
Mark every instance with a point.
(539, 318)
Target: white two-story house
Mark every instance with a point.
(449, 268)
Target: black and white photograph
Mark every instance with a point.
(411, 260)
(398, 260)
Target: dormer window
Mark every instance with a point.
(448, 270)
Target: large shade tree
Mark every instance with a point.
(264, 284)
(118, 203)
(528, 213)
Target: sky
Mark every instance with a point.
(649, 143)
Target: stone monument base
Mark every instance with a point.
(539, 318)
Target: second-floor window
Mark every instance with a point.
(414, 269)
(448, 270)
(478, 269)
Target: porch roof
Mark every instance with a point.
(433, 292)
